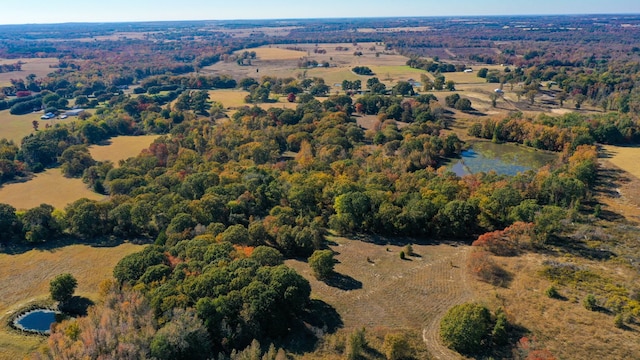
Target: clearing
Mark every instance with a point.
(48, 187)
(16, 127)
(374, 288)
(25, 278)
(40, 67)
(121, 148)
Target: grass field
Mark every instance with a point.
(274, 53)
(376, 289)
(49, 187)
(229, 98)
(25, 278)
(625, 158)
(121, 148)
(38, 66)
(563, 326)
(15, 127)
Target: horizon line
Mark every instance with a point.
(318, 18)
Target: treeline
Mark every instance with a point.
(554, 133)
(5, 68)
(9, 104)
(433, 66)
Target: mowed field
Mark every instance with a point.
(625, 158)
(374, 288)
(25, 278)
(15, 127)
(121, 148)
(38, 66)
(49, 187)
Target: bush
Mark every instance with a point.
(590, 302)
(552, 292)
(321, 263)
(402, 255)
(618, 321)
(465, 327)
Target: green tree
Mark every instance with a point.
(465, 327)
(183, 338)
(39, 224)
(63, 287)
(322, 263)
(10, 226)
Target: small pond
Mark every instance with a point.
(504, 159)
(39, 320)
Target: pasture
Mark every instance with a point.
(40, 67)
(48, 187)
(121, 148)
(624, 157)
(374, 288)
(25, 278)
(15, 127)
(562, 326)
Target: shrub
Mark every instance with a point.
(590, 302)
(465, 327)
(321, 263)
(63, 287)
(402, 255)
(618, 321)
(552, 292)
(485, 269)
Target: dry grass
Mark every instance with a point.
(271, 53)
(121, 148)
(15, 127)
(49, 187)
(375, 288)
(563, 326)
(625, 158)
(38, 66)
(25, 278)
(229, 98)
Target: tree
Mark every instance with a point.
(403, 88)
(465, 327)
(322, 263)
(10, 226)
(450, 85)
(63, 287)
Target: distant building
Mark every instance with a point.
(498, 91)
(74, 112)
(468, 70)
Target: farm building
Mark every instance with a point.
(74, 112)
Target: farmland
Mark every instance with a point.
(121, 148)
(49, 187)
(39, 67)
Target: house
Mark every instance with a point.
(498, 91)
(468, 70)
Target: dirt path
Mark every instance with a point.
(451, 283)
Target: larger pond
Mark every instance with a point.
(504, 159)
(37, 320)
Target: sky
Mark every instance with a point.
(60, 11)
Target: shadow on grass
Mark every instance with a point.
(319, 319)
(343, 282)
(53, 245)
(77, 306)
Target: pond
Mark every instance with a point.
(504, 159)
(39, 320)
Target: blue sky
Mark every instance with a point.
(56, 11)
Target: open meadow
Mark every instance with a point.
(40, 67)
(48, 187)
(15, 127)
(374, 288)
(26, 276)
(121, 148)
